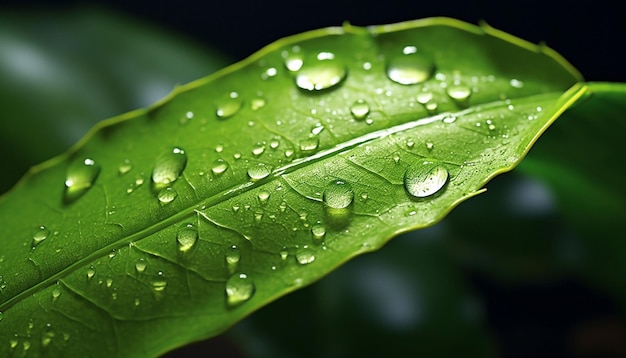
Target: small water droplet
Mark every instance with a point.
(141, 265)
(167, 195)
(137, 302)
(219, 166)
(410, 69)
(41, 233)
(270, 72)
(124, 167)
(364, 196)
(317, 129)
(258, 215)
(233, 255)
(237, 155)
(228, 107)
(90, 272)
(459, 93)
(274, 143)
(516, 83)
(80, 177)
(239, 289)
(169, 166)
(360, 109)
(309, 144)
(186, 238)
(289, 153)
(430, 145)
(449, 118)
(257, 104)
(109, 282)
(424, 97)
(425, 179)
(338, 195)
(26, 345)
(284, 254)
(159, 285)
(259, 171)
(304, 256)
(323, 74)
(56, 293)
(263, 197)
(258, 149)
(293, 63)
(318, 231)
(410, 143)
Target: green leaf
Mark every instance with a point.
(170, 224)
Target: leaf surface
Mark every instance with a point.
(169, 224)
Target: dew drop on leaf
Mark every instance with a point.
(140, 266)
(159, 285)
(304, 256)
(186, 238)
(90, 272)
(459, 93)
(258, 149)
(228, 107)
(56, 293)
(219, 166)
(424, 97)
(318, 231)
(233, 255)
(264, 197)
(124, 167)
(323, 74)
(167, 195)
(429, 145)
(169, 166)
(257, 104)
(338, 195)
(425, 179)
(258, 172)
(239, 289)
(410, 68)
(360, 109)
(41, 233)
(80, 177)
(309, 144)
(293, 62)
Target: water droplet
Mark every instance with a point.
(364, 196)
(289, 153)
(410, 69)
(257, 104)
(186, 238)
(274, 143)
(239, 289)
(424, 97)
(318, 231)
(309, 144)
(124, 167)
(26, 345)
(449, 118)
(459, 93)
(137, 302)
(80, 177)
(425, 179)
(293, 63)
(284, 254)
(317, 129)
(258, 172)
(228, 107)
(304, 256)
(159, 285)
(219, 166)
(258, 215)
(360, 109)
(326, 73)
(169, 166)
(56, 293)
(429, 145)
(167, 195)
(258, 149)
(109, 282)
(90, 273)
(516, 83)
(141, 265)
(263, 197)
(40, 235)
(270, 72)
(233, 255)
(13, 343)
(338, 195)
(410, 143)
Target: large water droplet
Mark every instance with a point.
(228, 107)
(323, 74)
(40, 235)
(360, 109)
(239, 289)
(186, 238)
(409, 69)
(167, 195)
(258, 172)
(80, 177)
(169, 166)
(219, 166)
(338, 195)
(425, 179)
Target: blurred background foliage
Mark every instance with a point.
(515, 272)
